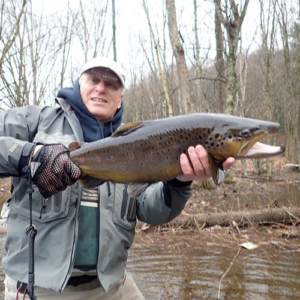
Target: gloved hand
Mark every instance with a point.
(52, 170)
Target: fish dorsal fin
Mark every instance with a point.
(216, 169)
(127, 128)
(75, 145)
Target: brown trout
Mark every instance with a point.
(146, 152)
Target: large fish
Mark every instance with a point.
(145, 152)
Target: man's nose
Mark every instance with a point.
(100, 87)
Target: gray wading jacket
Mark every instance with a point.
(57, 222)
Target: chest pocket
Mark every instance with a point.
(124, 211)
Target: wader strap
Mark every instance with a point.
(31, 230)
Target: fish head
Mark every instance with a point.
(239, 138)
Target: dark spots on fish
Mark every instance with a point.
(212, 144)
(217, 135)
(222, 144)
(200, 137)
(210, 138)
(167, 157)
(141, 164)
(224, 138)
(230, 136)
(217, 146)
(157, 153)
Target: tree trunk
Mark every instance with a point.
(220, 62)
(178, 52)
(232, 22)
(198, 95)
(114, 30)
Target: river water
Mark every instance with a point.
(191, 267)
(180, 264)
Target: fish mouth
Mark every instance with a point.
(261, 150)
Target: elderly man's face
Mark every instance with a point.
(101, 93)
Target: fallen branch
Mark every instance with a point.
(231, 264)
(241, 218)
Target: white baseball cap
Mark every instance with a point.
(106, 63)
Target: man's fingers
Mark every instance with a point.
(186, 168)
(202, 162)
(228, 163)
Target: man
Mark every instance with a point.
(83, 234)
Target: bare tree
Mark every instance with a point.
(220, 62)
(198, 105)
(32, 60)
(114, 29)
(161, 74)
(91, 28)
(290, 40)
(66, 44)
(178, 51)
(232, 20)
(11, 25)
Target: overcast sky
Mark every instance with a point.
(132, 23)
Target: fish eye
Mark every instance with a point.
(245, 132)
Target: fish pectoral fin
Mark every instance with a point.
(134, 189)
(90, 182)
(127, 128)
(216, 169)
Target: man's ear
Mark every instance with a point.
(119, 105)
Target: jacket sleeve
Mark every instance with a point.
(18, 127)
(162, 202)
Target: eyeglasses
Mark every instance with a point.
(105, 73)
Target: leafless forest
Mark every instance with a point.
(177, 70)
